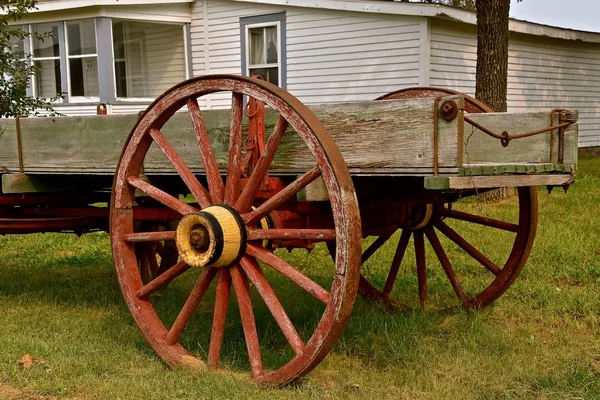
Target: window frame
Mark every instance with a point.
(30, 49)
(186, 40)
(70, 97)
(263, 21)
(104, 60)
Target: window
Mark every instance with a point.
(103, 59)
(82, 58)
(46, 58)
(149, 58)
(263, 47)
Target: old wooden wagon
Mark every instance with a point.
(210, 192)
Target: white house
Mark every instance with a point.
(125, 52)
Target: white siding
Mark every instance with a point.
(453, 57)
(332, 56)
(557, 74)
(542, 73)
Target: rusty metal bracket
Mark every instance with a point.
(19, 144)
(435, 135)
(505, 137)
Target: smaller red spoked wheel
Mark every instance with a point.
(289, 316)
(480, 248)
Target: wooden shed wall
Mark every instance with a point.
(542, 73)
(332, 56)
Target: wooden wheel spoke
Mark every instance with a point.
(163, 279)
(421, 267)
(468, 247)
(245, 200)
(235, 148)
(188, 309)
(160, 196)
(441, 255)
(288, 271)
(491, 222)
(182, 169)
(219, 316)
(256, 275)
(151, 256)
(376, 245)
(292, 234)
(240, 283)
(398, 256)
(213, 176)
(160, 249)
(143, 263)
(150, 237)
(281, 197)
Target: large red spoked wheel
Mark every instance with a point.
(480, 248)
(220, 242)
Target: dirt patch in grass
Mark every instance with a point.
(9, 392)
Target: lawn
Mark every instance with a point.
(60, 302)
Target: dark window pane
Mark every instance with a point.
(48, 45)
(84, 76)
(81, 37)
(271, 38)
(268, 74)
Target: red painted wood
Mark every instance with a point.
(290, 272)
(256, 275)
(232, 186)
(150, 237)
(188, 309)
(398, 256)
(220, 314)
(493, 223)
(281, 197)
(183, 170)
(468, 247)
(151, 257)
(244, 202)
(163, 279)
(240, 283)
(421, 267)
(441, 254)
(320, 235)
(344, 216)
(376, 245)
(213, 176)
(160, 196)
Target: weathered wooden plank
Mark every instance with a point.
(482, 182)
(479, 147)
(376, 138)
(371, 135)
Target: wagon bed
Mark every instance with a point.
(389, 138)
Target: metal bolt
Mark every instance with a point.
(449, 110)
(200, 239)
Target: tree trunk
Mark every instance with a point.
(492, 52)
(492, 64)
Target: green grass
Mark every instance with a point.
(60, 302)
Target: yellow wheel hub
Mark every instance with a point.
(215, 236)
